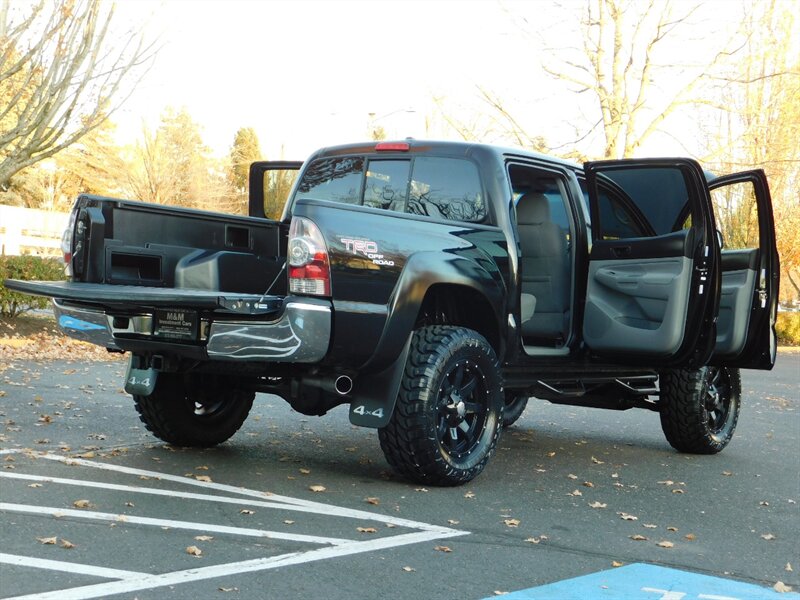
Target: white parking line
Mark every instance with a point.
(132, 582)
(68, 567)
(172, 524)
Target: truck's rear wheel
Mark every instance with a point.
(516, 403)
(700, 409)
(205, 413)
(449, 410)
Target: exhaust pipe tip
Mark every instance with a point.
(343, 385)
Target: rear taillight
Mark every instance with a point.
(66, 242)
(307, 256)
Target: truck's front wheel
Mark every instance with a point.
(700, 408)
(449, 410)
(205, 413)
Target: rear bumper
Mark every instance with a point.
(300, 334)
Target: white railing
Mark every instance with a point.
(31, 231)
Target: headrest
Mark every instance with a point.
(533, 208)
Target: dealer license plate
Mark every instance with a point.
(176, 324)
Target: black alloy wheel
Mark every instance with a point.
(449, 411)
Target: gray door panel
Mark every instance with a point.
(734, 311)
(637, 306)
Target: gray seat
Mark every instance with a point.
(544, 267)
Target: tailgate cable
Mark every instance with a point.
(274, 281)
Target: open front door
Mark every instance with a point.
(750, 271)
(270, 183)
(653, 276)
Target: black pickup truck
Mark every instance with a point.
(434, 287)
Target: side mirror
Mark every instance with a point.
(720, 241)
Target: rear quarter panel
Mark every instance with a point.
(382, 263)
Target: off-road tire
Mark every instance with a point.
(515, 406)
(419, 441)
(203, 414)
(700, 409)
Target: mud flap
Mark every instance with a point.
(376, 394)
(140, 382)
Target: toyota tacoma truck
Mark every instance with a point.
(434, 287)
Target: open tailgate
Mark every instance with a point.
(133, 296)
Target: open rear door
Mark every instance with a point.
(653, 276)
(750, 271)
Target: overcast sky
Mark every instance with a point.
(306, 74)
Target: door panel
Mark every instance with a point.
(750, 271)
(653, 277)
(638, 304)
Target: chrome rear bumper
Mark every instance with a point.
(300, 334)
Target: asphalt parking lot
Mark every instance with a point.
(300, 507)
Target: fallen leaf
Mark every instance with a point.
(678, 491)
(82, 504)
(201, 468)
(638, 538)
(512, 522)
(588, 484)
(597, 505)
(627, 517)
(409, 569)
(86, 455)
(571, 476)
(649, 525)
(317, 488)
(665, 544)
(727, 473)
(48, 540)
(616, 563)
(781, 587)
(366, 530)
(597, 461)
(421, 489)
(228, 589)
(533, 540)
(768, 536)
(373, 501)
(672, 529)
(34, 485)
(667, 482)
(453, 522)
(246, 511)
(469, 495)
(788, 567)
(193, 550)
(131, 504)
(763, 503)
(289, 522)
(443, 548)
(305, 471)
(204, 538)
(551, 454)
(499, 593)
(575, 493)
(67, 544)
(204, 478)
(690, 536)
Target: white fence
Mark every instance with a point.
(31, 231)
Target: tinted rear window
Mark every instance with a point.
(443, 188)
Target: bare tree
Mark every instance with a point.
(623, 63)
(757, 121)
(64, 69)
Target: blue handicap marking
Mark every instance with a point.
(649, 582)
(68, 322)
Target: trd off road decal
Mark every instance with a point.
(366, 248)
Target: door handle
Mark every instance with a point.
(621, 251)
